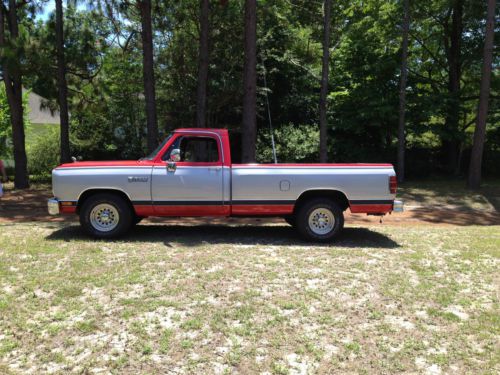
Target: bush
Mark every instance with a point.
(43, 153)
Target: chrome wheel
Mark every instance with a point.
(104, 217)
(321, 221)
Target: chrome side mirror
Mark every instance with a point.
(175, 155)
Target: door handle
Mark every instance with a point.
(214, 169)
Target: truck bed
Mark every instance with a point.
(364, 185)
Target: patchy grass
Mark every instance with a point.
(223, 299)
(453, 193)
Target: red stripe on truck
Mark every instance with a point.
(370, 208)
(182, 210)
(263, 209)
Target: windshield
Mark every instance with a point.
(158, 149)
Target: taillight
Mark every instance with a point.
(393, 184)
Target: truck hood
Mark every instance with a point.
(107, 164)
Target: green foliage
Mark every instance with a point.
(293, 144)
(43, 152)
(112, 124)
(105, 78)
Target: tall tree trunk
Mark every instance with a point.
(13, 87)
(250, 83)
(61, 80)
(201, 98)
(402, 91)
(148, 73)
(323, 147)
(474, 179)
(452, 144)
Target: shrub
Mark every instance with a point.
(43, 153)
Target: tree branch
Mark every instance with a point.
(469, 123)
(434, 83)
(422, 44)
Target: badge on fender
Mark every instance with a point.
(138, 179)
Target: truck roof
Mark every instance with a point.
(213, 130)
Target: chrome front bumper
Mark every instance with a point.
(398, 206)
(53, 206)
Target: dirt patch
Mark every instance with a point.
(27, 205)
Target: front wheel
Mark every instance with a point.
(105, 216)
(137, 219)
(320, 220)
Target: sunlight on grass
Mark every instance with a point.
(453, 193)
(213, 299)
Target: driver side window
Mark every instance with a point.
(195, 150)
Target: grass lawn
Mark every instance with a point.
(440, 193)
(243, 299)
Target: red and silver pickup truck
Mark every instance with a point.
(191, 174)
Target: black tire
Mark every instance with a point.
(324, 207)
(290, 220)
(136, 220)
(121, 207)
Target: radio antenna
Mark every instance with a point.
(271, 130)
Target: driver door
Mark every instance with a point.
(193, 184)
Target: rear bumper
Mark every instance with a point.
(398, 206)
(53, 206)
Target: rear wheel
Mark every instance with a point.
(290, 220)
(105, 216)
(320, 220)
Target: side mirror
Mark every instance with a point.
(171, 166)
(175, 155)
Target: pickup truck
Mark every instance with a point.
(191, 174)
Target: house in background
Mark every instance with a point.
(40, 117)
(41, 120)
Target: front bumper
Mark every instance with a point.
(53, 206)
(398, 206)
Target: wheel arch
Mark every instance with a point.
(92, 191)
(335, 195)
